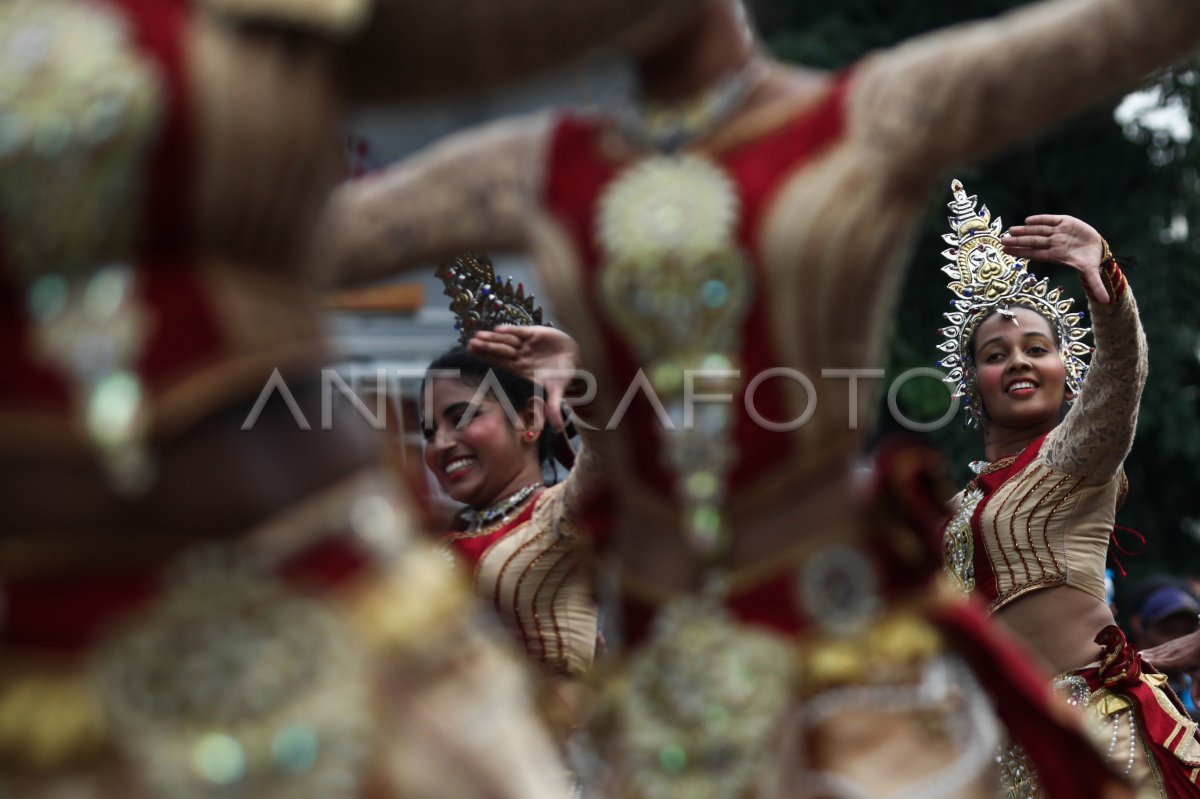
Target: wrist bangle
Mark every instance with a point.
(1106, 255)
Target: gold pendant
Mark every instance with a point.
(677, 286)
(674, 280)
(235, 687)
(696, 713)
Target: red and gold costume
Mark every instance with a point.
(736, 268)
(325, 653)
(528, 567)
(161, 165)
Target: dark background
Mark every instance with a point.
(1137, 186)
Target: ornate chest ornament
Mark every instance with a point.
(80, 110)
(958, 546)
(235, 687)
(677, 285)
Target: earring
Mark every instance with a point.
(529, 435)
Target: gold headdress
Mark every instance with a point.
(480, 301)
(984, 279)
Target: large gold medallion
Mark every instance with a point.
(235, 687)
(674, 279)
(699, 705)
(81, 108)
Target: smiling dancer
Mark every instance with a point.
(1031, 531)
(487, 438)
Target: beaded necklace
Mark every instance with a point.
(670, 127)
(499, 512)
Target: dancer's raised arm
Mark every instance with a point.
(474, 191)
(972, 89)
(1094, 438)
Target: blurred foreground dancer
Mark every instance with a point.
(205, 595)
(713, 248)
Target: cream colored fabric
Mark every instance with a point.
(1044, 528)
(534, 577)
(1051, 523)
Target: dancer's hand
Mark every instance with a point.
(1061, 239)
(543, 354)
(1175, 656)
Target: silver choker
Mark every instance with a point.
(477, 520)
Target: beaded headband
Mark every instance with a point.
(480, 301)
(986, 280)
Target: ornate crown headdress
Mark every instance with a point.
(480, 301)
(985, 279)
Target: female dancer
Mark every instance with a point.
(713, 251)
(516, 536)
(160, 166)
(1030, 535)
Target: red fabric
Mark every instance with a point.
(472, 549)
(25, 382)
(1120, 671)
(185, 333)
(1068, 765)
(985, 576)
(578, 173)
(71, 613)
(159, 28)
(904, 548)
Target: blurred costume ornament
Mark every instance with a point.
(287, 663)
(668, 128)
(480, 301)
(986, 280)
(676, 284)
(80, 111)
(161, 166)
(235, 686)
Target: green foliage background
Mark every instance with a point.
(1132, 184)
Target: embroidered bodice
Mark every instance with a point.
(1045, 516)
(529, 569)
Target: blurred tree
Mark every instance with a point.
(1137, 181)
